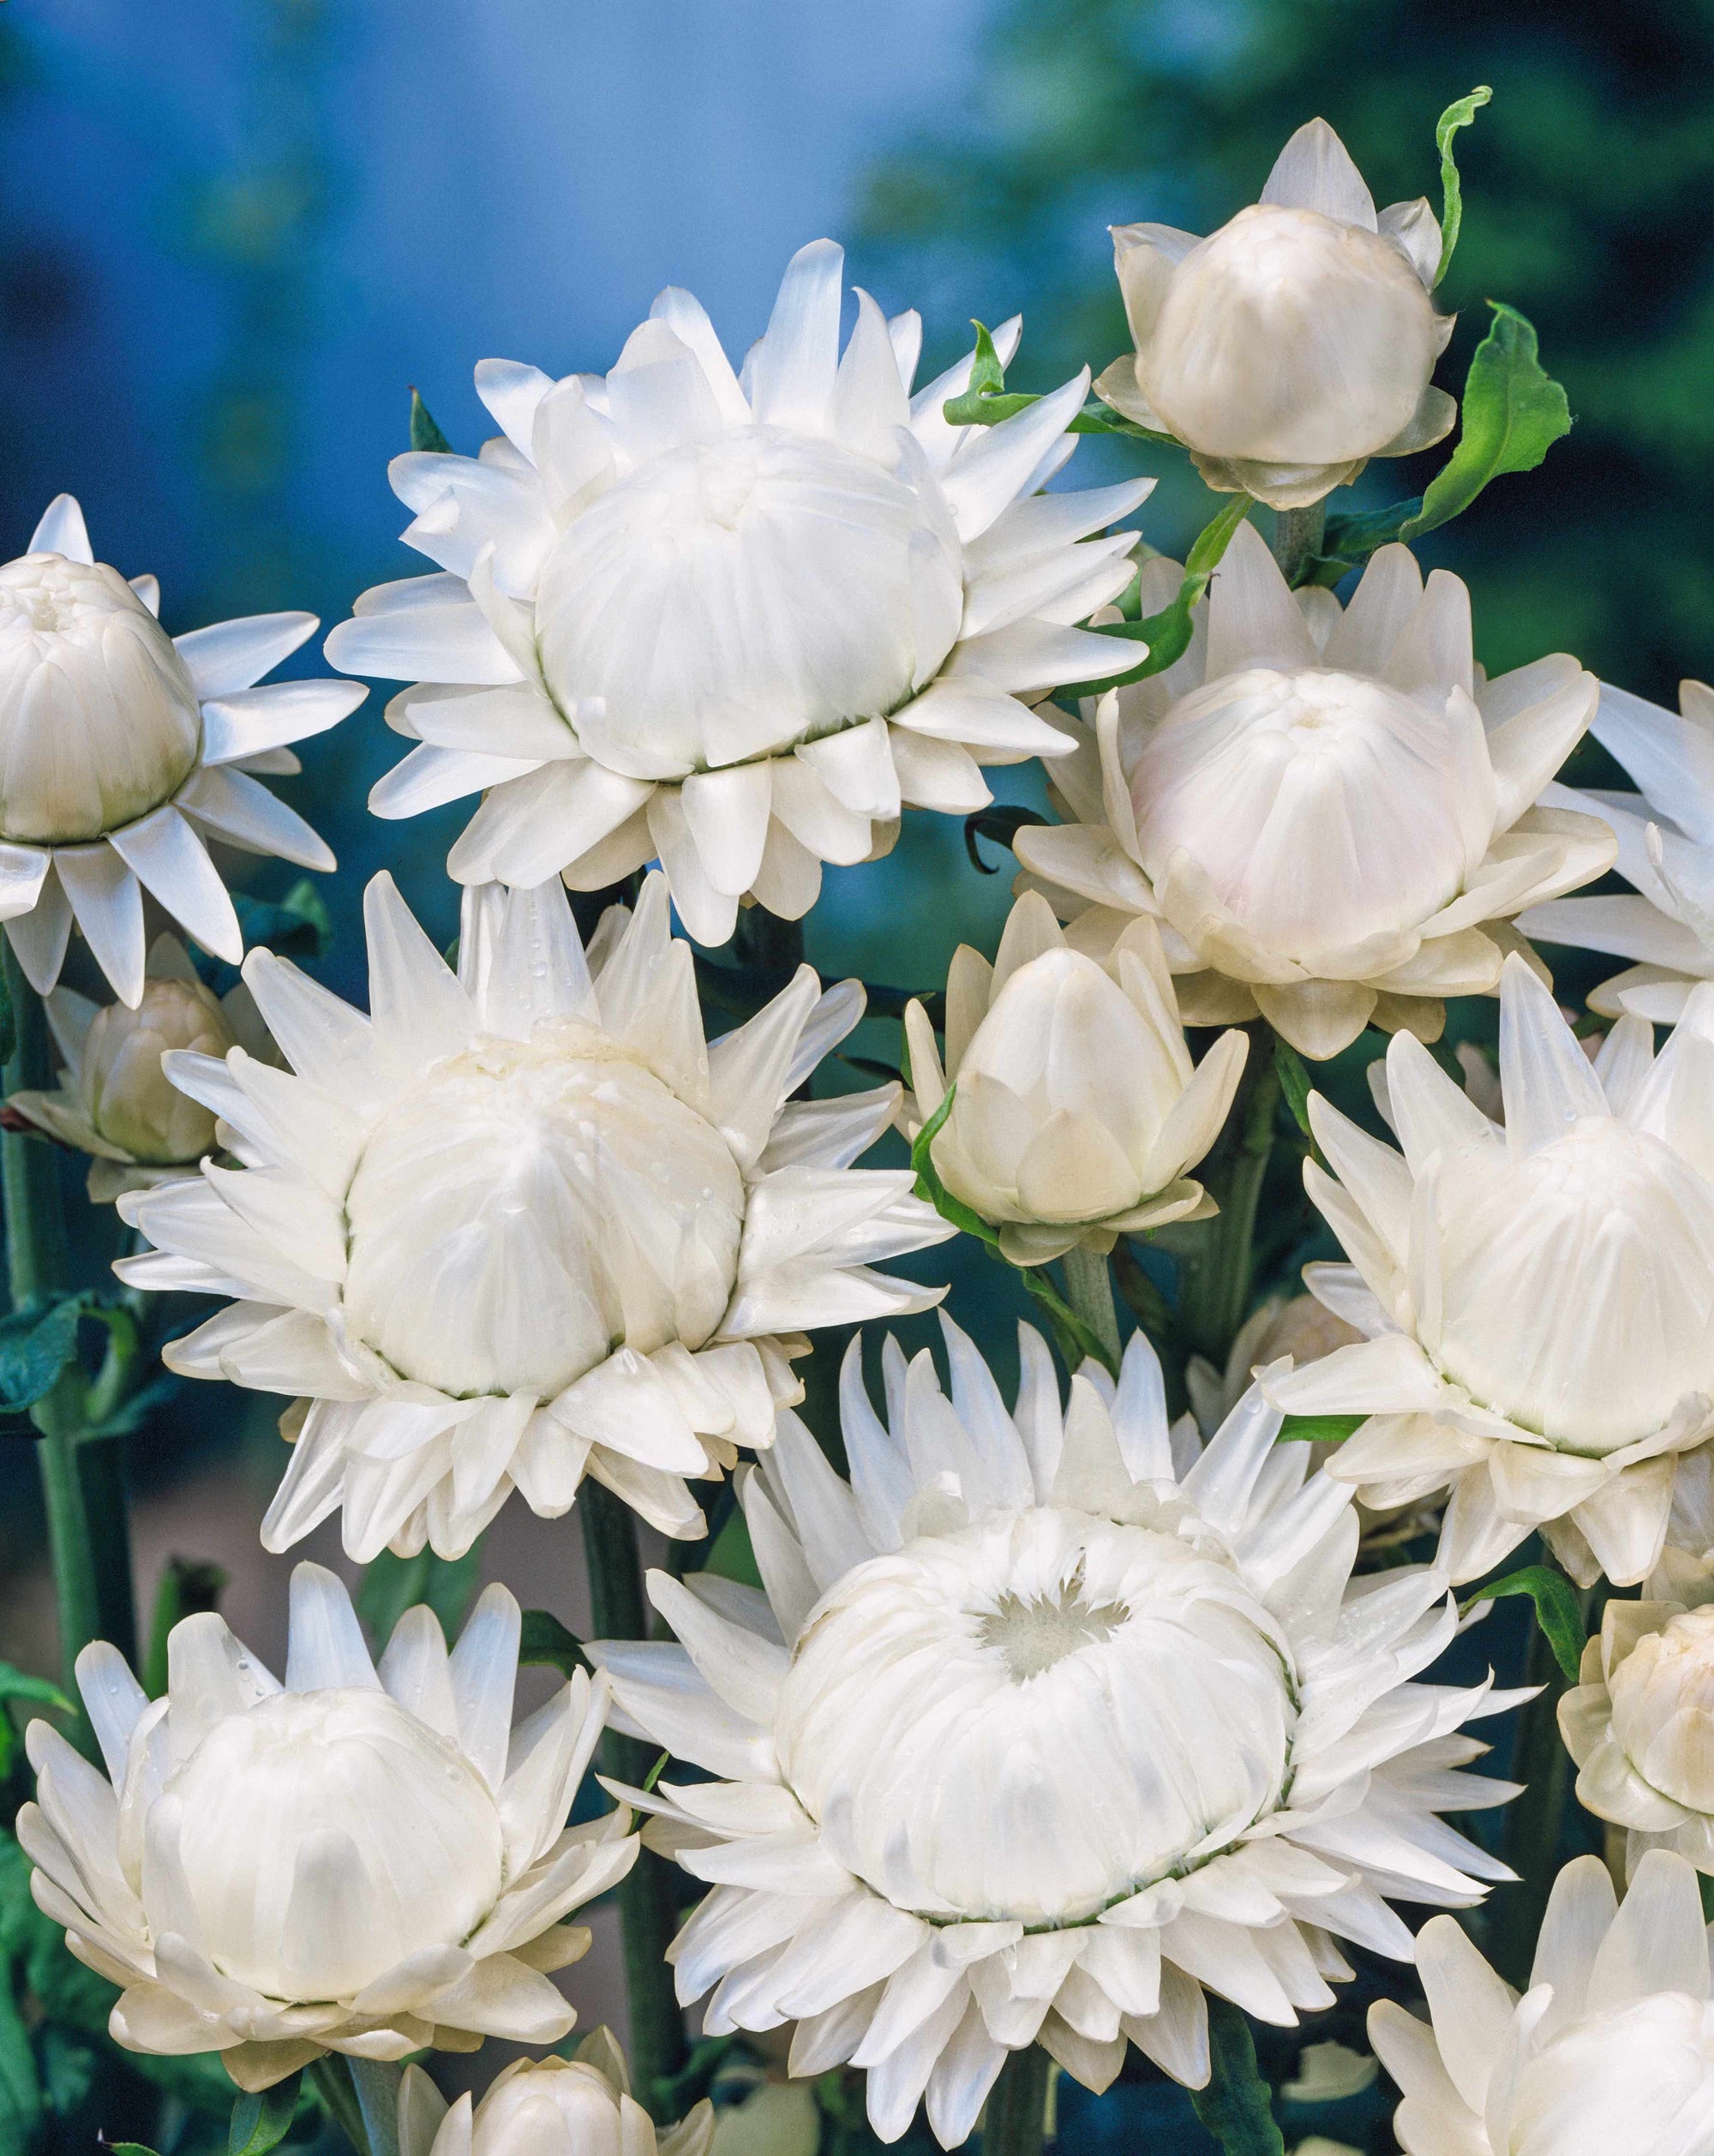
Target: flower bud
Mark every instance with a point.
(129, 1097)
(1295, 343)
(1641, 1727)
(1076, 1108)
(576, 2106)
(98, 719)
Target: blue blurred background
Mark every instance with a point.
(234, 232)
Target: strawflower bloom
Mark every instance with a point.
(733, 622)
(1665, 923)
(1610, 2051)
(1330, 812)
(1538, 1302)
(124, 750)
(1638, 1726)
(113, 1100)
(360, 1860)
(1045, 1721)
(1295, 343)
(1077, 1110)
(576, 2106)
(522, 1222)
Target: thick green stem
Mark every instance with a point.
(1089, 1290)
(648, 1917)
(1016, 2118)
(330, 2082)
(1215, 1300)
(1298, 534)
(377, 2083)
(1530, 1841)
(83, 1484)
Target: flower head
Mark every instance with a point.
(114, 1101)
(359, 1860)
(1539, 1301)
(522, 1222)
(1638, 1726)
(1076, 1108)
(1296, 342)
(733, 622)
(1045, 1720)
(576, 2106)
(123, 750)
(1331, 812)
(1610, 2051)
(1665, 924)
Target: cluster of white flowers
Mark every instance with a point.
(1048, 1721)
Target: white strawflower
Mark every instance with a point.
(1294, 344)
(576, 2106)
(523, 1224)
(1665, 833)
(124, 750)
(1538, 1301)
(1077, 1110)
(1639, 1726)
(113, 1100)
(1330, 812)
(1045, 1721)
(1610, 2051)
(356, 1861)
(734, 623)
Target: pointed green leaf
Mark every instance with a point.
(261, 2121)
(1456, 116)
(545, 1641)
(1556, 1610)
(1167, 634)
(424, 434)
(1319, 1429)
(1514, 412)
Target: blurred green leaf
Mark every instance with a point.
(393, 1585)
(1457, 114)
(9, 1023)
(424, 434)
(261, 2121)
(189, 1586)
(546, 1643)
(36, 1344)
(1235, 2105)
(1556, 1610)
(19, 1684)
(298, 927)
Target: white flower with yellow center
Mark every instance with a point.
(124, 750)
(522, 1223)
(360, 1860)
(1045, 1721)
(1638, 1724)
(1538, 1301)
(1076, 1110)
(1610, 2051)
(114, 1101)
(1665, 923)
(1330, 811)
(1296, 342)
(733, 622)
(576, 2106)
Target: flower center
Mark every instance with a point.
(732, 597)
(1576, 1284)
(529, 1207)
(1322, 809)
(1035, 1717)
(323, 1837)
(98, 720)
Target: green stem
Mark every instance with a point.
(1298, 534)
(1530, 1841)
(647, 1914)
(1216, 1295)
(377, 2083)
(1089, 1290)
(330, 2082)
(1016, 2123)
(82, 1484)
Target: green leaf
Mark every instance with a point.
(1167, 634)
(129, 2148)
(424, 434)
(1318, 1430)
(1556, 1610)
(1294, 1083)
(1456, 116)
(261, 2121)
(1514, 412)
(545, 1641)
(36, 1344)
(189, 1586)
(933, 1191)
(394, 1585)
(978, 405)
(1235, 2105)
(20, 2089)
(19, 1684)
